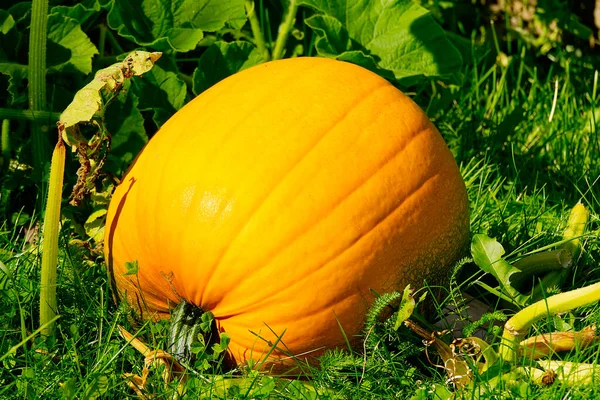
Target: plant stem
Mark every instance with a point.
(102, 44)
(185, 327)
(188, 80)
(259, 38)
(575, 228)
(48, 302)
(37, 78)
(517, 326)
(284, 30)
(114, 42)
(5, 143)
(545, 261)
(541, 263)
(573, 373)
(29, 115)
(573, 231)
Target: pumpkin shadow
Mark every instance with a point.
(111, 237)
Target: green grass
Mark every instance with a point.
(523, 170)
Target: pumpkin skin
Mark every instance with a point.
(279, 199)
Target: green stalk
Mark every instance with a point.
(572, 373)
(116, 47)
(541, 263)
(575, 229)
(5, 143)
(48, 302)
(186, 325)
(102, 41)
(259, 38)
(517, 327)
(284, 30)
(29, 115)
(37, 78)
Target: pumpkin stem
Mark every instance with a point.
(185, 330)
(194, 339)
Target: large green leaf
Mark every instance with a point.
(66, 33)
(16, 73)
(222, 59)
(125, 123)
(400, 35)
(160, 91)
(174, 24)
(333, 41)
(9, 38)
(332, 37)
(80, 12)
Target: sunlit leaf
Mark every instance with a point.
(487, 254)
(66, 32)
(178, 25)
(401, 36)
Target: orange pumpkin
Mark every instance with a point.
(279, 199)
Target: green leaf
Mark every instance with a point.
(67, 34)
(10, 37)
(7, 22)
(80, 12)
(406, 307)
(97, 388)
(207, 320)
(21, 12)
(91, 100)
(160, 91)
(401, 36)
(223, 59)
(332, 37)
(132, 268)
(16, 74)
(176, 24)
(69, 389)
(333, 41)
(487, 254)
(220, 347)
(94, 225)
(125, 123)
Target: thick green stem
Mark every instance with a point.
(117, 49)
(185, 327)
(259, 38)
(541, 263)
(5, 143)
(575, 228)
(516, 327)
(48, 302)
(37, 79)
(29, 115)
(573, 373)
(102, 41)
(284, 30)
